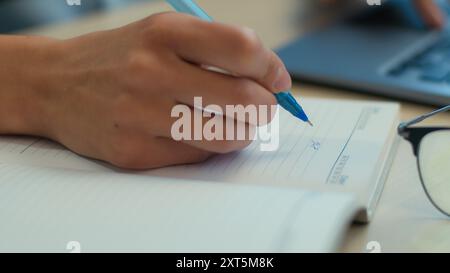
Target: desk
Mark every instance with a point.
(405, 219)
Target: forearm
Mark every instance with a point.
(25, 66)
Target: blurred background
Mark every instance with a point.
(19, 14)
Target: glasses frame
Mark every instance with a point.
(415, 135)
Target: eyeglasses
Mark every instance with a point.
(432, 149)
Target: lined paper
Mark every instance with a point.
(44, 209)
(341, 150)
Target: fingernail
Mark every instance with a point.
(283, 80)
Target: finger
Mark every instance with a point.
(431, 13)
(236, 50)
(224, 91)
(202, 130)
(217, 133)
(208, 131)
(160, 152)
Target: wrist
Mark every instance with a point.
(27, 70)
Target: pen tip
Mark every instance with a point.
(310, 123)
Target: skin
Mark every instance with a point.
(109, 95)
(428, 9)
(431, 13)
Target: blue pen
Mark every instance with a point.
(285, 99)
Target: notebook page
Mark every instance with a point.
(44, 209)
(340, 152)
(40, 152)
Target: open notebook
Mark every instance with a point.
(298, 198)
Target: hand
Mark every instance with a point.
(109, 95)
(431, 13)
(428, 10)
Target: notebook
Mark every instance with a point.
(300, 197)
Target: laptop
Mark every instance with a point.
(379, 51)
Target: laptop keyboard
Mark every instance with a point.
(430, 65)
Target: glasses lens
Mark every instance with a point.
(434, 162)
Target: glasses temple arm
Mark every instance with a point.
(406, 124)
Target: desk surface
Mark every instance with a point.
(405, 220)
